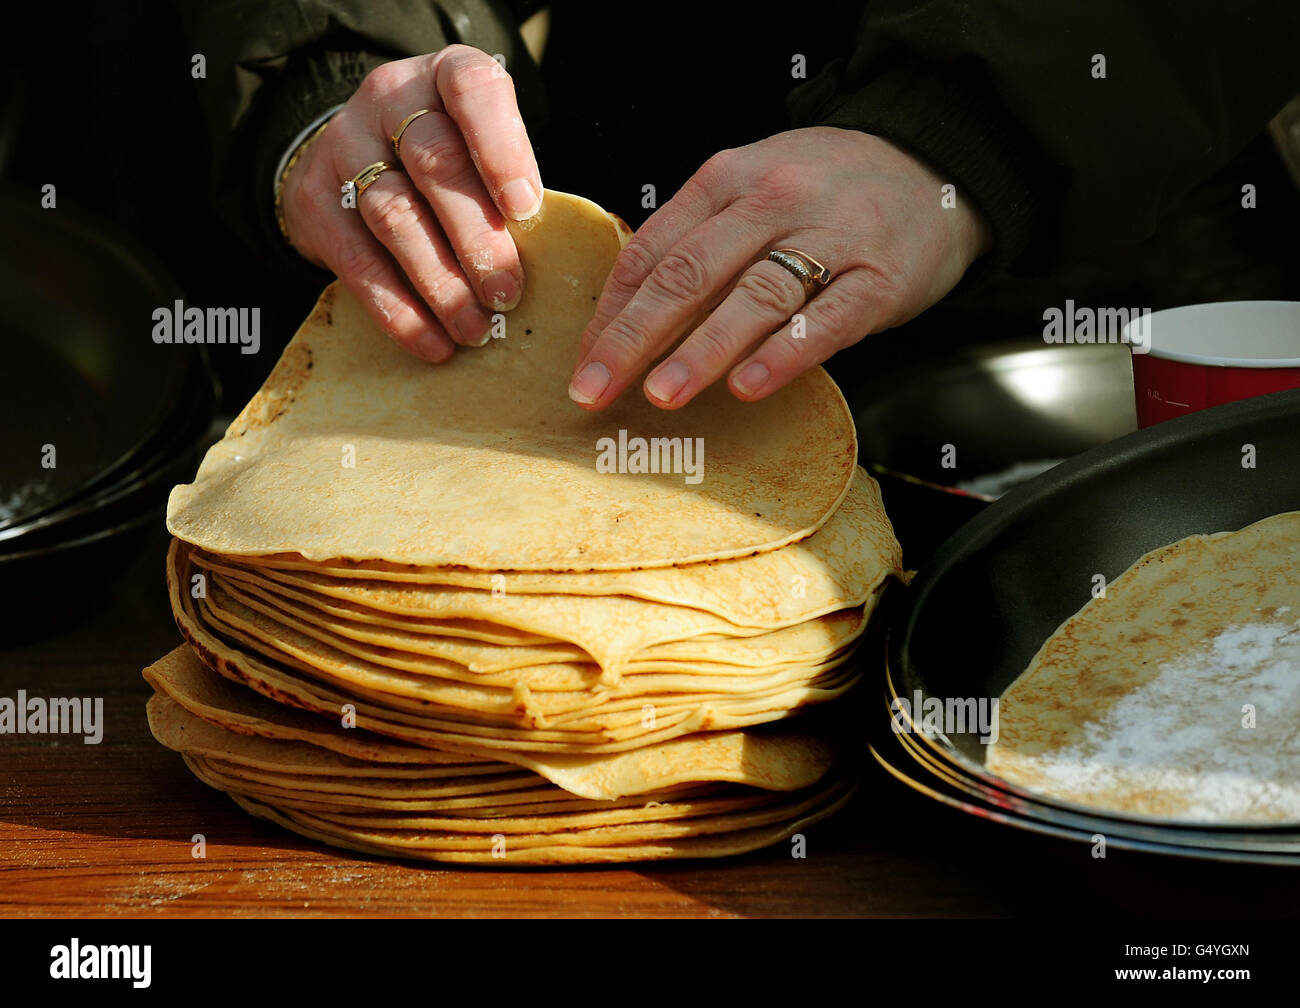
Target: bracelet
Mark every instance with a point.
(298, 148)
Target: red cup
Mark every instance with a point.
(1185, 359)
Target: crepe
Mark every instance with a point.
(182, 677)
(422, 845)
(459, 816)
(840, 566)
(261, 733)
(425, 608)
(178, 728)
(808, 640)
(610, 629)
(1175, 696)
(487, 813)
(541, 691)
(346, 419)
(317, 681)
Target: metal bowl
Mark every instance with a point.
(1000, 406)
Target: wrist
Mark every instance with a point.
(974, 235)
(314, 81)
(952, 120)
(296, 149)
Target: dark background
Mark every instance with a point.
(98, 99)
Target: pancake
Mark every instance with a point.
(840, 566)
(264, 734)
(426, 846)
(484, 462)
(1175, 696)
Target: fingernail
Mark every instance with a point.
(502, 289)
(472, 326)
(520, 199)
(590, 384)
(750, 379)
(433, 348)
(670, 379)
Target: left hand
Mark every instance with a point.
(868, 211)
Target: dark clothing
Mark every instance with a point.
(633, 104)
(1117, 191)
(274, 67)
(1001, 97)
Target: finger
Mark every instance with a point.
(704, 195)
(837, 317)
(763, 300)
(367, 270)
(399, 217)
(437, 160)
(672, 300)
(480, 96)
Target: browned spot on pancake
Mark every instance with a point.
(275, 396)
(623, 230)
(325, 305)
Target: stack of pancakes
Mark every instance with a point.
(423, 620)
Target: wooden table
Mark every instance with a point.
(104, 830)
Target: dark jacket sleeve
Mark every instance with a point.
(1002, 97)
(273, 67)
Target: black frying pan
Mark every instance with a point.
(908, 761)
(81, 370)
(976, 614)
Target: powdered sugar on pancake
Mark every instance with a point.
(1212, 737)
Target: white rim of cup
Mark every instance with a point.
(1205, 360)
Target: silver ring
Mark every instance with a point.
(807, 270)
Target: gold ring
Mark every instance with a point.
(807, 270)
(397, 137)
(365, 178)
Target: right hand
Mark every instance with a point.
(426, 250)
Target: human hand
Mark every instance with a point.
(425, 250)
(862, 207)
